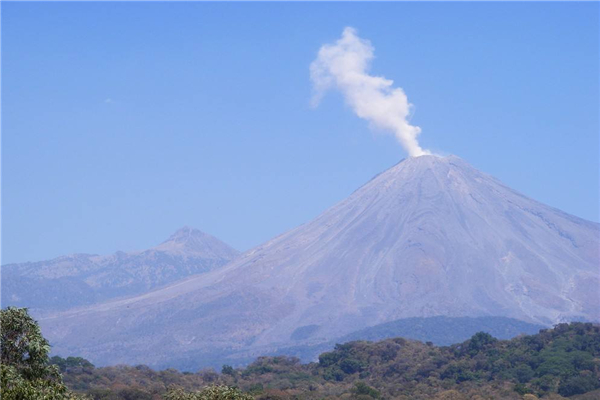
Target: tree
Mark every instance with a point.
(524, 373)
(577, 385)
(480, 341)
(362, 390)
(25, 373)
(227, 370)
(450, 395)
(70, 364)
(23, 346)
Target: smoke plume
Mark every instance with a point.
(344, 66)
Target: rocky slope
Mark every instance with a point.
(430, 236)
(83, 279)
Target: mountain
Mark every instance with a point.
(444, 331)
(441, 331)
(83, 279)
(431, 236)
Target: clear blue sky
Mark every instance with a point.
(122, 122)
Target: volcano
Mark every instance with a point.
(431, 236)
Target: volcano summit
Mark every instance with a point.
(431, 236)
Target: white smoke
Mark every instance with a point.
(344, 65)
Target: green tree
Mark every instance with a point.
(25, 373)
(227, 370)
(480, 341)
(524, 373)
(351, 365)
(577, 385)
(328, 359)
(362, 390)
(72, 364)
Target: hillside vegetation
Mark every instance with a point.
(555, 363)
(25, 373)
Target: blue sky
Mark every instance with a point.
(122, 122)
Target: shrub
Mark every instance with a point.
(216, 392)
(361, 388)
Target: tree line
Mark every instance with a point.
(563, 362)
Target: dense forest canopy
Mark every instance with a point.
(563, 362)
(553, 364)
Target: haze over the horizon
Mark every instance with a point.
(124, 121)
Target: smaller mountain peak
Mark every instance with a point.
(185, 230)
(188, 240)
(184, 234)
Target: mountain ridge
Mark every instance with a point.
(431, 236)
(82, 279)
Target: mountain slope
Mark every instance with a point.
(444, 331)
(83, 279)
(430, 236)
(441, 331)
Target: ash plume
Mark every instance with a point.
(344, 66)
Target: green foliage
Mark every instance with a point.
(521, 389)
(23, 347)
(362, 389)
(227, 370)
(128, 393)
(71, 364)
(334, 373)
(327, 359)
(344, 360)
(25, 373)
(523, 373)
(217, 392)
(564, 361)
(578, 385)
(351, 365)
(479, 342)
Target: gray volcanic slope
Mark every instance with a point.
(83, 279)
(430, 236)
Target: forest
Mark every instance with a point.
(555, 363)
(562, 362)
